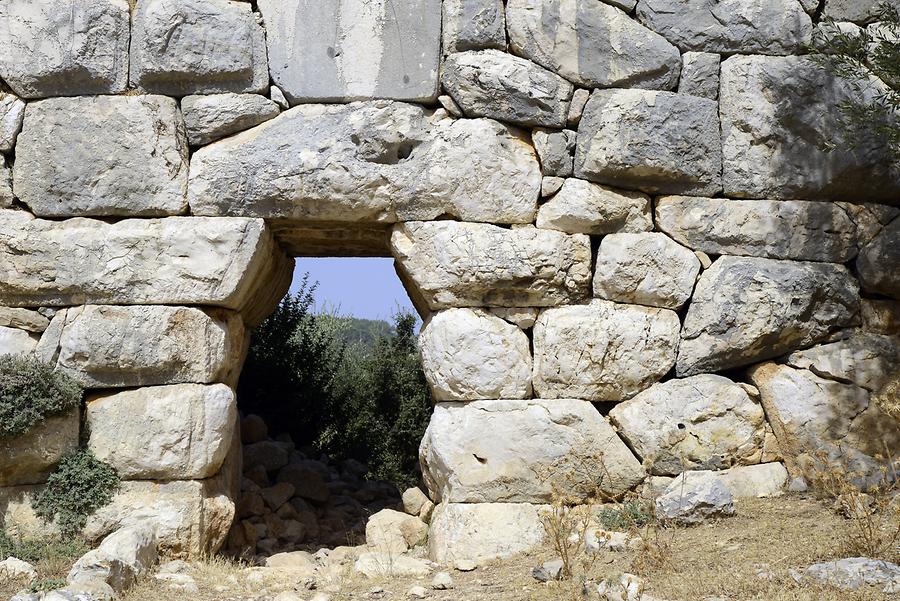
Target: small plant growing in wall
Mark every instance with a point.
(30, 392)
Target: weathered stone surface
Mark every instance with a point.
(866, 360)
(472, 265)
(519, 451)
(858, 11)
(394, 532)
(181, 47)
(704, 422)
(177, 432)
(729, 26)
(591, 44)
(353, 50)
(748, 309)
(16, 569)
(694, 497)
(124, 556)
(778, 113)
(29, 458)
(23, 319)
(12, 112)
(777, 229)
(6, 191)
(855, 572)
(556, 151)
(491, 83)
(880, 316)
(602, 351)
(208, 118)
(88, 53)
(14, 341)
(382, 161)
(386, 565)
(878, 264)
(581, 207)
(550, 185)
(700, 74)
(755, 481)
(473, 25)
(650, 141)
(469, 355)
(521, 317)
(102, 155)
(483, 531)
(645, 269)
(231, 262)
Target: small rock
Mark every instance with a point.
(253, 429)
(798, 485)
(693, 497)
(15, 569)
(442, 581)
(551, 185)
(394, 532)
(379, 565)
(178, 582)
(854, 572)
(413, 500)
(576, 108)
(547, 571)
(417, 592)
(465, 565)
(296, 560)
(176, 566)
(278, 98)
(278, 495)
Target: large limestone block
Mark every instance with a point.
(14, 341)
(523, 451)
(469, 355)
(645, 269)
(748, 309)
(491, 83)
(581, 207)
(602, 351)
(122, 346)
(878, 263)
(729, 26)
(103, 156)
(473, 25)
(226, 262)
(178, 432)
(29, 458)
(704, 422)
(592, 44)
(354, 49)
(453, 264)
(784, 137)
(777, 229)
(866, 360)
(181, 47)
(480, 532)
(64, 47)
(210, 117)
(650, 141)
(375, 161)
(12, 113)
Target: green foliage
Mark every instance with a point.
(46, 585)
(34, 550)
(625, 516)
(80, 485)
(363, 332)
(31, 391)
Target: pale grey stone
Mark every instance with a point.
(491, 83)
(381, 564)
(755, 481)
(121, 559)
(550, 185)
(473, 25)
(777, 229)
(376, 161)
(856, 572)
(394, 532)
(581, 207)
(521, 317)
(704, 422)
(858, 11)
(514, 451)
(208, 118)
(576, 107)
(17, 342)
(591, 44)
(23, 319)
(729, 26)
(556, 150)
(878, 263)
(181, 47)
(354, 50)
(694, 497)
(602, 351)
(645, 269)
(16, 569)
(450, 106)
(748, 309)
(12, 113)
(278, 98)
(102, 156)
(783, 134)
(866, 360)
(31, 457)
(657, 142)
(64, 47)
(474, 265)
(480, 532)
(6, 189)
(469, 355)
(700, 74)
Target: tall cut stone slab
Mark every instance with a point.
(31, 457)
(376, 161)
(729, 26)
(602, 351)
(354, 49)
(878, 263)
(745, 310)
(181, 47)
(226, 262)
(473, 25)
(518, 451)
(592, 44)
(64, 47)
(103, 156)
(650, 141)
(779, 115)
(452, 264)
(6, 190)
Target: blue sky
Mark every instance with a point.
(367, 288)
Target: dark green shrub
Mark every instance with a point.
(80, 485)
(34, 550)
(625, 516)
(31, 391)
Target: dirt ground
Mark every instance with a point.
(743, 558)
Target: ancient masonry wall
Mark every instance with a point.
(634, 254)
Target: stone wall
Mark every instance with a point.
(633, 254)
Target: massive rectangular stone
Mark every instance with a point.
(453, 264)
(354, 49)
(102, 156)
(226, 262)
